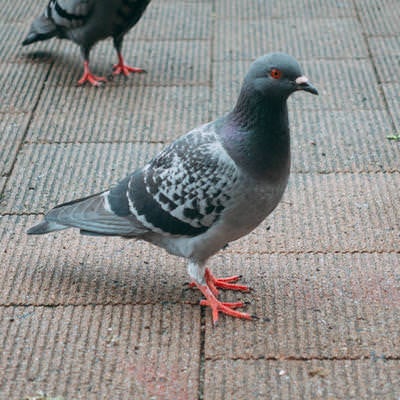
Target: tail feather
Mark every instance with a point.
(46, 227)
(92, 216)
(42, 28)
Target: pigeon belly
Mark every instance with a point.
(253, 203)
(108, 19)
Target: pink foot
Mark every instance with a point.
(89, 77)
(222, 283)
(219, 306)
(122, 68)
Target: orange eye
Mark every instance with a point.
(276, 73)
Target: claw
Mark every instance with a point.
(219, 306)
(122, 68)
(89, 77)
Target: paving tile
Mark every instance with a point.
(174, 20)
(2, 184)
(245, 39)
(331, 213)
(342, 84)
(67, 268)
(12, 34)
(167, 62)
(392, 95)
(287, 9)
(12, 128)
(379, 18)
(386, 54)
(20, 90)
(328, 141)
(23, 12)
(339, 380)
(142, 113)
(310, 306)
(103, 352)
(46, 175)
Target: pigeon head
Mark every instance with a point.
(276, 76)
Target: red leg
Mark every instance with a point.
(122, 68)
(89, 77)
(219, 306)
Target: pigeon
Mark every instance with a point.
(207, 188)
(86, 22)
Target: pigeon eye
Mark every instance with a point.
(276, 73)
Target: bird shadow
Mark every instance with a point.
(104, 283)
(38, 56)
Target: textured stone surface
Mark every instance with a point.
(132, 117)
(311, 306)
(329, 379)
(66, 268)
(12, 128)
(94, 352)
(392, 94)
(291, 35)
(285, 9)
(379, 18)
(2, 183)
(386, 54)
(21, 85)
(105, 318)
(49, 174)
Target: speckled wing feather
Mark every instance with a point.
(69, 14)
(59, 18)
(183, 190)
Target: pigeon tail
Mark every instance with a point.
(92, 216)
(46, 227)
(42, 29)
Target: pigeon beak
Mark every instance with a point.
(302, 83)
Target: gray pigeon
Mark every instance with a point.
(211, 186)
(86, 22)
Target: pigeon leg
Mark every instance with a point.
(87, 74)
(219, 306)
(89, 77)
(121, 67)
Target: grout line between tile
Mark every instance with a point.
(32, 114)
(311, 358)
(374, 68)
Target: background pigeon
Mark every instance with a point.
(85, 22)
(209, 187)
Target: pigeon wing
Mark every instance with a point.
(69, 14)
(185, 189)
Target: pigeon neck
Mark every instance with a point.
(257, 137)
(253, 111)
